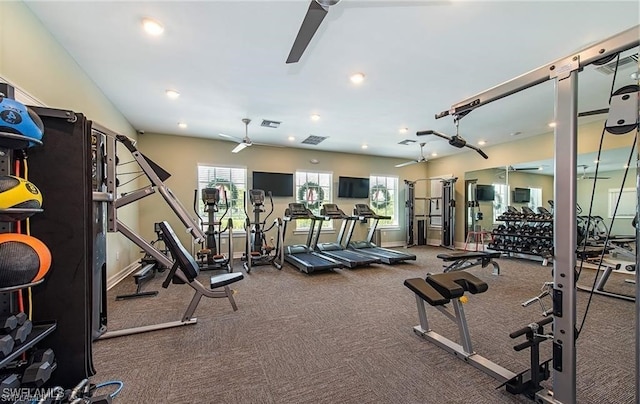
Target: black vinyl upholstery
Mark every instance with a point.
(185, 261)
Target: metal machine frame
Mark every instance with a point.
(564, 72)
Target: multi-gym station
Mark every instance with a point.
(320, 201)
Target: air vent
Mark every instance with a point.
(610, 67)
(407, 141)
(270, 124)
(312, 139)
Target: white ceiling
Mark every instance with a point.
(227, 59)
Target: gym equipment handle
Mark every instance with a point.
(528, 328)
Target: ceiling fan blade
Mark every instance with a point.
(408, 163)
(312, 20)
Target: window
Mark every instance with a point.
(384, 198)
(535, 198)
(501, 200)
(233, 181)
(313, 189)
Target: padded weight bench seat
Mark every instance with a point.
(439, 289)
(468, 259)
(219, 281)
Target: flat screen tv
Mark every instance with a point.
(521, 195)
(353, 187)
(280, 184)
(485, 193)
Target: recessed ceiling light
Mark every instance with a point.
(357, 78)
(635, 76)
(152, 27)
(364, 146)
(173, 94)
(291, 138)
(314, 161)
(596, 161)
(182, 125)
(482, 142)
(434, 154)
(552, 124)
(403, 130)
(625, 166)
(315, 117)
(515, 133)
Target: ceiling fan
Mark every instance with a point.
(420, 160)
(245, 141)
(589, 177)
(318, 9)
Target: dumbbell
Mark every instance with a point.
(42, 364)
(22, 332)
(9, 382)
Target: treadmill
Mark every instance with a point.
(302, 256)
(362, 211)
(335, 250)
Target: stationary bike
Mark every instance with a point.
(210, 257)
(257, 250)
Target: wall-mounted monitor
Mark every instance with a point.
(521, 195)
(353, 187)
(485, 193)
(280, 184)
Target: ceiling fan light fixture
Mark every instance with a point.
(327, 3)
(240, 147)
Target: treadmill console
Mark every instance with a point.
(210, 196)
(297, 211)
(363, 210)
(256, 196)
(331, 210)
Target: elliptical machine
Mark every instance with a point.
(210, 257)
(257, 250)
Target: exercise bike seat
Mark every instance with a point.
(452, 285)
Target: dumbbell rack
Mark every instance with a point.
(524, 235)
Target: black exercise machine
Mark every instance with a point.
(336, 250)
(185, 270)
(303, 256)
(363, 212)
(468, 259)
(257, 250)
(147, 268)
(210, 257)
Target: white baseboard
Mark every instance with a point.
(116, 278)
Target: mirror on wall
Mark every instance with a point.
(489, 192)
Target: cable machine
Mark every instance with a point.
(564, 72)
(435, 212)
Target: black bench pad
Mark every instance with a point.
(468, 255)
(421, 288)
(453, 284)
(218, 281)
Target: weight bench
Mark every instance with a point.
(144, 271)
(185, 270)
(439, 290)
(466, 260)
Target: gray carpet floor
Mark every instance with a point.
(345, 336)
